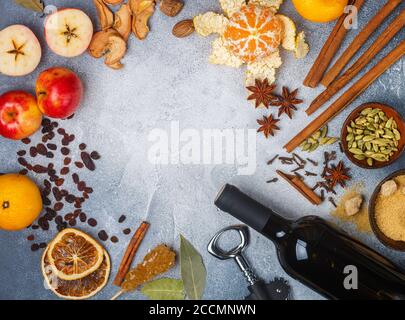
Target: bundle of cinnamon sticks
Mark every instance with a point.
(331, 78)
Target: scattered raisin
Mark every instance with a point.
(64, 171)
(75, 178)
(79, 164)
(103, 235)
(65, 151)
(82, 217)
(58, 206)
(88, 162)
(92, 222)
(22, 161)
(95, 155)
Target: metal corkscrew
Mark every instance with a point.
(278, 289)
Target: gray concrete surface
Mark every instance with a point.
(167, 79)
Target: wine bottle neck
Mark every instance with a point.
(249, 211)
(277, 227)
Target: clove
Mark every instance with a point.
(332, 201)
(302, 161)
(313, 162)
(300, 167)
(310, 174)
(270, 162)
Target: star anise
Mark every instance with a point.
(262, 93)
(337, 175)
(287, 102)
(268, 125)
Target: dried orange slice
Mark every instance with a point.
(76, 289)
(253, 32)
(73, 254)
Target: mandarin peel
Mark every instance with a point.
(251, 33)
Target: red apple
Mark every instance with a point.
(19, 115)
(59, 92)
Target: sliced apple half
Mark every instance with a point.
(68, 32)
(20, 51)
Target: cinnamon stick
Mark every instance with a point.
(359, 40)
(130, 253)
(329, 49)
(350, 95)
(301, 187)
(374, 49)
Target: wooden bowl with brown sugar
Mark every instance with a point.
(384, 239)
(389, 112)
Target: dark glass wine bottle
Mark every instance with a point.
(317, 254)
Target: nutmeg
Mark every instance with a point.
(171, 8)
(183, 28)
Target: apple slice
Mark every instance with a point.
(68, 32)
(20, 51)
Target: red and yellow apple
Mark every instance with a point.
(20, 116)
(68, 32)
(59, 92)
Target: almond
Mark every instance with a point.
(183, 28)
(171, 8)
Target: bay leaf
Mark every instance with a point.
(34, 5)
(193, 271)
(164, 289)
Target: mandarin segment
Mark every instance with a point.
(254, 32)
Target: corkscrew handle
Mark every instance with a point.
(235, 253)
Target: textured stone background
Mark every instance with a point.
(168, 79)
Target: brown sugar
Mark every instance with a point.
(390, 212)
(360, 219)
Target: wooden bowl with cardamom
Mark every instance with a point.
(389, 112)
(388, 242)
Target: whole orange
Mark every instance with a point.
(320, 10)
(20, 202)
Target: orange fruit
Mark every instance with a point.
(253, 32)
(20, 202)
(76, 289)
(320, 10)
(73, 254)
